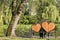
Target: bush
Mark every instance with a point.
(33, 19)
(3, 30)
(28, 19)
(24, 20)
(23, 30)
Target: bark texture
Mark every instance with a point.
(15, 17)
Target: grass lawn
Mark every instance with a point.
(19, 38)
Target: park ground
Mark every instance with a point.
(20, 38)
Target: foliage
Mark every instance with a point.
(5, 11)
(24, 30)
(28, 19)
(51, 13)
(24, 19)
(33, 19)
(21, 30)
(39, 9)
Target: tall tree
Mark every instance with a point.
(51, 13)
(5, 12)
(16, 13)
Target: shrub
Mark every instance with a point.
(33, 19)
(24, 30)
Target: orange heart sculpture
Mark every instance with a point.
(45, 26)
(48, 27)
(36, 27)
(51, 26)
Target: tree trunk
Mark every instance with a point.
(15, 17)
(12, 25)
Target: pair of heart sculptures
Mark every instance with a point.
(47, 27)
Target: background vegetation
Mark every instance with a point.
(36, 10)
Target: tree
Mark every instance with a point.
(16, 13)
(51, 13)
(5, 11)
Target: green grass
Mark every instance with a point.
(19, 38)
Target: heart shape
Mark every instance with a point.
(45, 26)
(36, 27)
(48, 27)
(51, 26)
